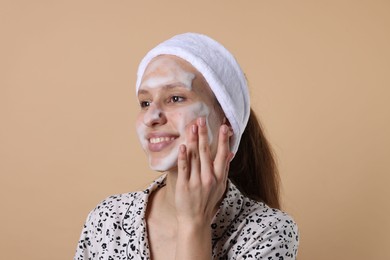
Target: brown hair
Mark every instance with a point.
(253, 169)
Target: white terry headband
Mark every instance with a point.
(219, 68)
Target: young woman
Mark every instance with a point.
(218, 197)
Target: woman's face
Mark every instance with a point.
(172, 95)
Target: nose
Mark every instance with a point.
(154, 116)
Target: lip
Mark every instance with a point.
(159, 141)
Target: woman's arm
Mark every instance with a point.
(85, 244)
(278, 241)
(200, 186)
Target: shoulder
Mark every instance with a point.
(245, 228)
(264, 217)
(113, 224)
(115, 206)
(104, 228)
(266, 232)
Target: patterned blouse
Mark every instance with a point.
(241, 229)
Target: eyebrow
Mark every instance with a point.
(166, 87)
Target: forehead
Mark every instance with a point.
(168, 66)
(168, 69)
(165, 63)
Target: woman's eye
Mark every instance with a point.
(144, 104)
(175, 99)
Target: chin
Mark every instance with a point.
(162, 166)
(163, 163)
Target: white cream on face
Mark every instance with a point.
(175, 74)
(177, 119)
(181, 119)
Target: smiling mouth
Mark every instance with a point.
(157, 144)
(157, 140)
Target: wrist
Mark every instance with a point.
(193, 241)
(193, 222)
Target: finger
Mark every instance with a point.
(204, 150)
(223, 152)
(182, 165)
(193, 153)
(229, 159)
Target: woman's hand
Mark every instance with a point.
(200, 185)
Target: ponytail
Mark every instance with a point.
(253, 169)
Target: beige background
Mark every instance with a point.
(319, 78)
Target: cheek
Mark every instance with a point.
(189, 114)
(181, 121)
(141, 129)
(214, 124)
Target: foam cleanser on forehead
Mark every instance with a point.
(173, 75)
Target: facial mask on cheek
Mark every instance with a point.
(186, 118)
(197, 110)
(141, 130)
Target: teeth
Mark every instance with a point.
(160, 139)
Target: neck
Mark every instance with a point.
(168, 194)
(162, 201)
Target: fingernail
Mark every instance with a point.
(194, 129)
(202, 121)
(224, 129)
(182, 148)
